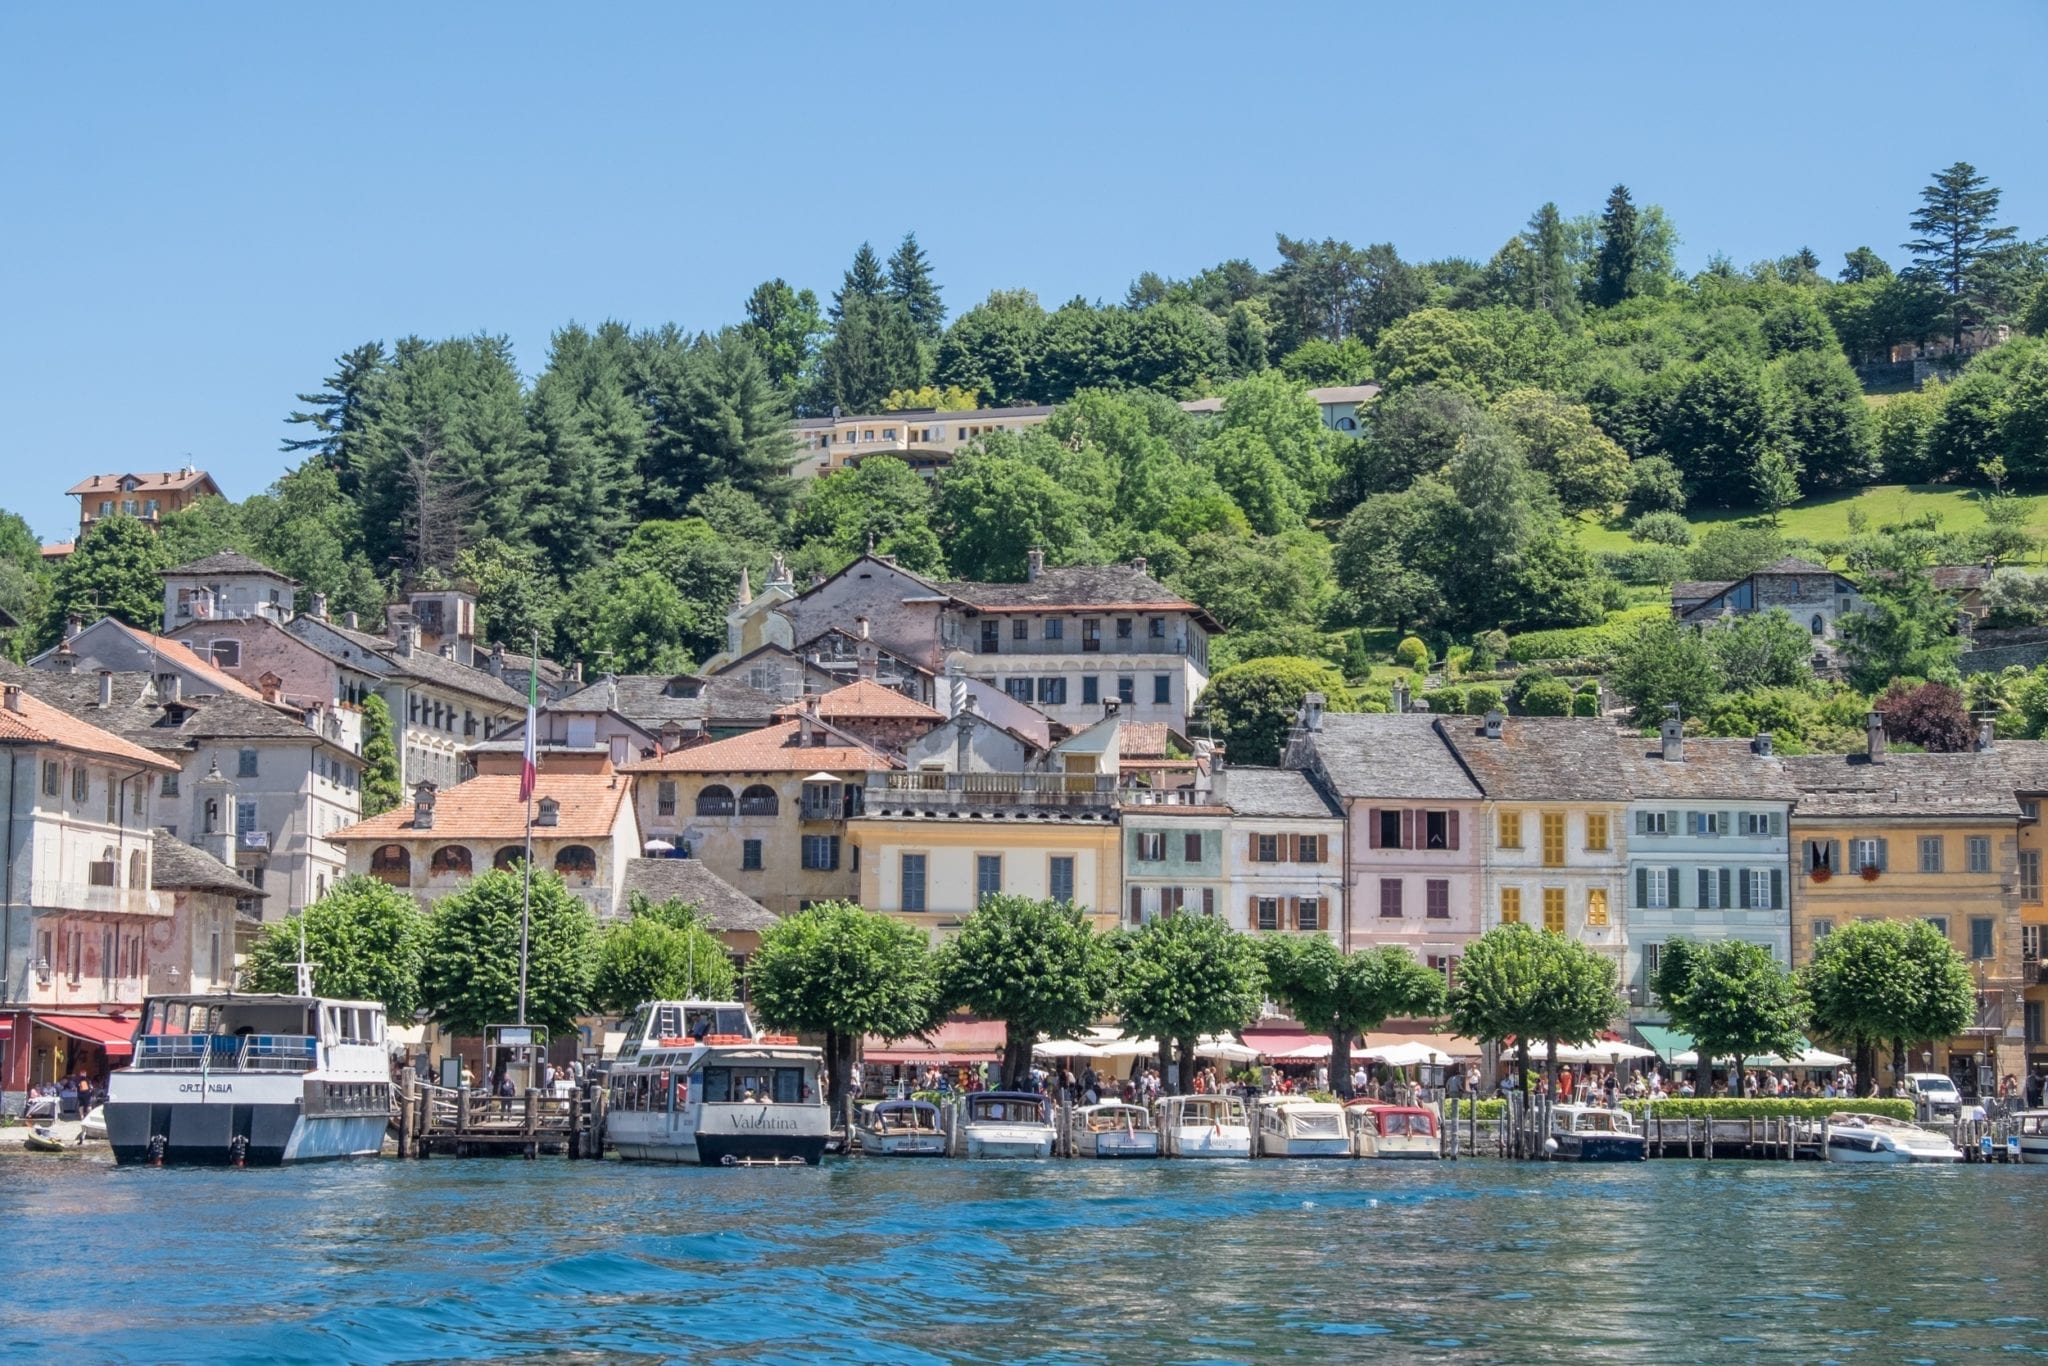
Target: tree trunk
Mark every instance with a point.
(1187, 1064)
(1340, 1062)
(839, 1065)
(1550, 1066)
(1522, 1086)
(1166, 1086)
(1898, 1062)
(1865, 1062)
(1016, 1059)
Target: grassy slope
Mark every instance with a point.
(1827, 518)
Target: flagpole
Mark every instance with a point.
(531, 780)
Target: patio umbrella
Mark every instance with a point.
(1223, 1048)
(1407, 1055)
(1316, 1051)
(1129, 1048)
(658, 847)
(1067, 1048)
(1600, 1051)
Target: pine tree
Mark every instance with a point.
(592, 438)
(339, 414)
(1953, 248)
(874, 351)
(1245, 341)
(1552, 287)
(865, 279)
(1614, 280)
(910, 284)
(716, 416)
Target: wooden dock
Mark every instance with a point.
(434, 1120)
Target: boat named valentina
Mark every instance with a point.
(1203, 1126)
(251, 1080)
(696, 1082)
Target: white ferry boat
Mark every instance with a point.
(1203, 1126)
(696, 1082)
(1292, 1126)
(251, 1080)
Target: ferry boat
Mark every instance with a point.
(900, 1128)
(1294, 1126)
(1202, 1126)
(1882, 1139)
(1594, 1133)
(1005, 1124)
(2030, 1127)
(1394, 1131)
(695, 1081)
(1114, 1129)
(251, 1080)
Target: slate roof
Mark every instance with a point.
(1276, 792)
(177, 865)
(864, 699)
(228, 562)
(1692, 592)
(182, 656)
(36, 722)
(725, 906)
(645, 700)
(1540, 758)
(2026, 764)
(488, 808)
(1403, 757)
(135, 708)
(1958, 578)
(1905, 785)
(429, 667)
(1793, 564)
(1102, 587)
(1711, 770)
(773, 749)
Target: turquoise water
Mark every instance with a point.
(1056, 1262)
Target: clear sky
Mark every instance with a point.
(205, 204)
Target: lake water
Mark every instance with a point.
(387, 1261)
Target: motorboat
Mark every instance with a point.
(696, 1082)
(1880, 1138)
(93, 1128)
(1202, 1126)
(1114, 1129)
(900, 1128)
(1295, 1126)
(1594, 1133)
(1004, 1124)
(1394, 1131)
(2030, 1128)
(251, 1080)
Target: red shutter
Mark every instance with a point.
(1293, 921)
(1454, 829)
(1292, 844)
(1407, 828)
(1372, 827)
(1251, 848)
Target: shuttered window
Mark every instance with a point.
(1553, 909)
(1553, 839)
(1596, 908)
(1511, 905)
(1596, 831)
(1390, 898)
(1510, 829)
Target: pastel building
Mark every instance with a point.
(1283, 853)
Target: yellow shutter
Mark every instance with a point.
(1510, 829)
(1553, 909)
(1596, 908)
(1596, 830)
(1510, 905)
(1553, 839)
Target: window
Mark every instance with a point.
(391, 864)
(715, 800)
(2030, 809)
(1596, 909)
(1656, 885)
(1390, 829)
(750, 855)
(113, 800)
(2030, 875)
(1553, 909)
(1822, 928)
(1390, 898)
(665, 799)
(450, 860)
(53, 777)
(1091, 634)
(1977, 850)
(1866, 853)
(245, 816)
(1653, 823)
(1268, 908)
(1055, 628)
(1980, 936)
(1052, 691)
(1126, 689)
(1155, 627)
(245, 764)
(1511, 905)
(1019, 689)
(991, 637)
(1191, 846)
(1653, 958)
(1940, 922)
(79, 783)
(1596, 831)
(227, 653)
(1436, 830)
(1930, 853)
(137, 795)
(1709, 822)
(1162, 689)
(508, 857)
(2031, 1012)
(1757, 824)
(1060, 878)
(1123, 628)
(1553, 839)
(913, 882)
(1091, 690)
(1151, 846)
(1020, 629)
(821, 852)
(577, 863)
(1763, 888)
(1818, 625)
(1436, 898)
(1510, 829)
(1309, 914)
(988, 876)
(1265, 848)
(1714, 888)
(1308, 848)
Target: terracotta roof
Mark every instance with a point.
(724, 906)
(1713, 770)
(1142, 740)
(1385, 755)
(865, 699)
(183, 656)
(1905, 785)
(772, 749)
(1540, 758)
(144, 483)
(177, 865)
(32, 721)
(57, 550)
(228, 562)
(488, 808)
(1275, 792)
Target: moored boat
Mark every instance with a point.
(1202, 1126)
(695, 1082)
(1394, 1131)
(1004, 1124)
(1883, 1140)
(900, 1128)
(2030, 1128)
(1594, 1133)
(1295, 1126)
(1114, 1129)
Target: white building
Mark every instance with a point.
(1283, 852)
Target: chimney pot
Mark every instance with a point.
(349, 620)
(423, 806)
(106, 687)
(1673, 735)
(174, 687)
(1494, 720)
(1034, 564)
(12, 693)
(1987, 731)
(860, 626)
(1311, 718)
(316, 607)
(1141, 564)
(1762, 744)
(72, 625)
(1874, 737)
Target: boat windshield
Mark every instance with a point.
(677, 1020)
(1599, 1122)
(1211, 1110)
(1112, 1118)
(1397, 1122)
(2034, 1124)
(906, 1115)
(1010, 1109)
(755, 1083)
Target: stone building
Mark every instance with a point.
(1811, 594)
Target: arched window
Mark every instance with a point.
(508, 857)
(759, 800)
(1819, 625)
(715, 800)
(577, 863)
(137, 869)
(392, 864)
(450, 860)
(212, 815)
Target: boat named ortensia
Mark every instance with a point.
(696, 1082)
(900, 1128)
(251, 1080)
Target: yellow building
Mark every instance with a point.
(2027, 762)
(1934, 837)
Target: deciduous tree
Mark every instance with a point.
(1734, 999)
(661, 952)
(366, 941)
(1252, 705)
(1185, 976)
(1038, 966)
(470, 977)
(1340, 994)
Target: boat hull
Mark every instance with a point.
(1205, 1141)
(1143, 1143)
(1278, 1145)
(1602, 1148)
(984, 1140)
(1885, 1156)
(2034, 1150)
(1400, 1149)
(901, 1145)
(270, 1135)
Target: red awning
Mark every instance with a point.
(1272, 1041)
(116, 1036)
(957, 1041)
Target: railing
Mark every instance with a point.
(1139, 644)
(822, 811)
(1166, 796)
(760, 806)
(227, 1053)
(716, 806)
(992, 789)
(62, 894)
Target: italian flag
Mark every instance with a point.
(529, 759)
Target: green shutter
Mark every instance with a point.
(1725, 899)
(1777, 889)
(1642, 880)
(1742, 888)
(1835, 856)
(1674, 885)
(1777, 824)
(1883, 856)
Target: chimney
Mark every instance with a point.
(316, 607)
(171, 689)
(12, 696)
(72, 625)
(1987, 731)
(405, 637)
(1673, 735)
(1873, 730)
(1494, 721)
(1762, 744)
(1111, 706)
(1034, 564)
(1400, 696)
(576, 672)
(956, 688)
(106, 687)
(1139, 563)
(66, 658)
(867, 663)
(1310, 717)
(447, 649)
(271, 686)
(496, 668)
(349, 620)
(423, 806)
(860, 627)
(548, 812)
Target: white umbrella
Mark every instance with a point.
(1407, 1054)
(1225, 1049)
(1315, 1051)
(1129, 1048)
(658, 847)
(1067, 1048)
(1600, 1051)
(1816, 1057)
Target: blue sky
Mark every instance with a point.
(206, 204)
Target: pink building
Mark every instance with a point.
(1412, 837)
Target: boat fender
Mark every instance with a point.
(238, 1151)
(1549, 1145)
(157, 1144)
(727, 1161)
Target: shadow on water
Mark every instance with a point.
(1002, 1262)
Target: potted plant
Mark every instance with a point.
(1870, 872)
(1821, 873)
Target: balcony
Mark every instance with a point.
(1138, 645)
(64, 894)
(934, 791)
(1165, 796)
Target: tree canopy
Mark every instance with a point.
(1038, 966)
(470, 977)
(1342, 994)
(366, 941)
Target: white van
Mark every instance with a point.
(1934, 1095)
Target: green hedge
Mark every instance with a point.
(1763, 1107)
(1584, 642)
